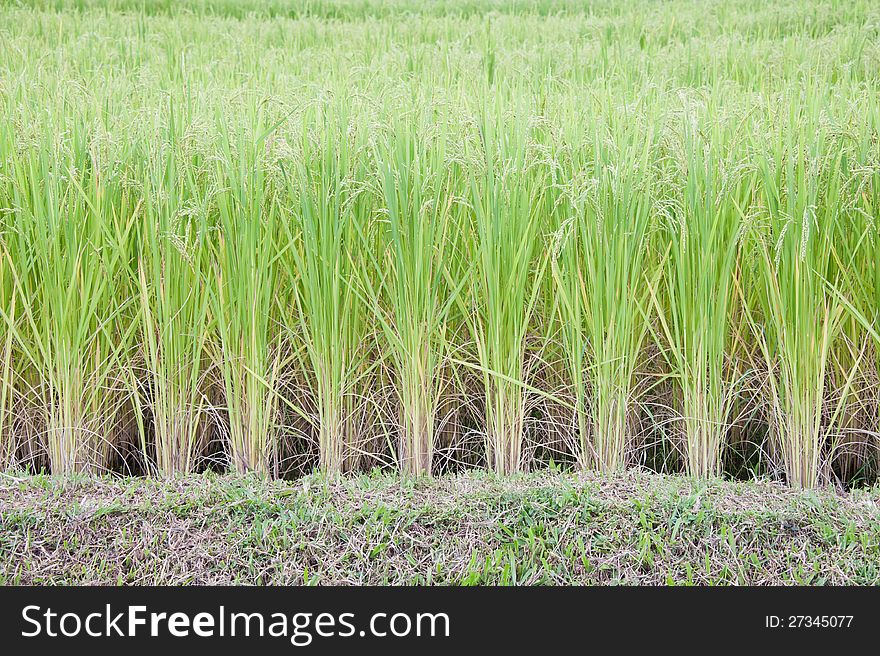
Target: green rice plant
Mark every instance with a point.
(703, 225)
(410, 298)
(408, 280)
(603, 269)
(8, 317)
(866, 207)
(173, 311)
(322, 257)
(858, 239)
(243, 293)
(505, 196)
(67, 241)
(799, 316)
(8, 313)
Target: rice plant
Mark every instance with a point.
(67, 241)
(703, 226)
(858, 242)
(173, 312)
(800, 181)
(504, 244)
(8, 301)
(410, 298)
(326, 190)
(501, 232)
(242, 292)
(604, 274)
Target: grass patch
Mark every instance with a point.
(474, 529)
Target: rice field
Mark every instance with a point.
(276, 237)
